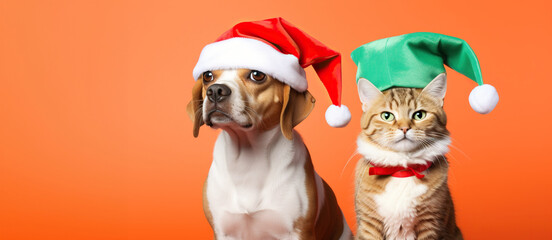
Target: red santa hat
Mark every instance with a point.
(277, 48)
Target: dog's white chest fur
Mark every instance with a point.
(397, 206)
(257, 192)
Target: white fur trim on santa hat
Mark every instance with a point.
(253, 54)
(483, 99)
(338, 116)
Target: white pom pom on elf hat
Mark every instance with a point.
(483, 98)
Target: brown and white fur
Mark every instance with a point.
(404, 208)
(261, 184)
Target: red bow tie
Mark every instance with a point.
(399, 171)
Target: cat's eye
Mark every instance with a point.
(208, 76)
(257, 76)
(387, 116)
(419, 115)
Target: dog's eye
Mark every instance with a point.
(208, 76)
(257, 76)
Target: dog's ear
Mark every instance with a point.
(296, 107)
(194, 108)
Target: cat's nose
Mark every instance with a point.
(405, 129)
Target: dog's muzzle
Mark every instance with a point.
(218, 95)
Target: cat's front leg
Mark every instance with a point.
(431, 225)
(428, 226)
(370, 229)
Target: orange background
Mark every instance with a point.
(95, 142)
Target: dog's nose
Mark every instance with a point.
(218, 92)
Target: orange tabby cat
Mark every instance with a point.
(404, 135)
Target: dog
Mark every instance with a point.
(261, 184)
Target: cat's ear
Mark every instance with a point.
(367, 93)
(437, 88)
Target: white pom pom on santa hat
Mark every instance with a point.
(483, 98)
(338, 116)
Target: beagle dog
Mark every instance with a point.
(261, 184)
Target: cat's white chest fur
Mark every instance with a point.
(397, 206)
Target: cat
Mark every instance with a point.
(404, 127)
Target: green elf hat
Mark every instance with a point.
(414, 60)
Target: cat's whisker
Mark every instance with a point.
(459, 150)
(427, 145)
(355, 153)
(443, 158)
